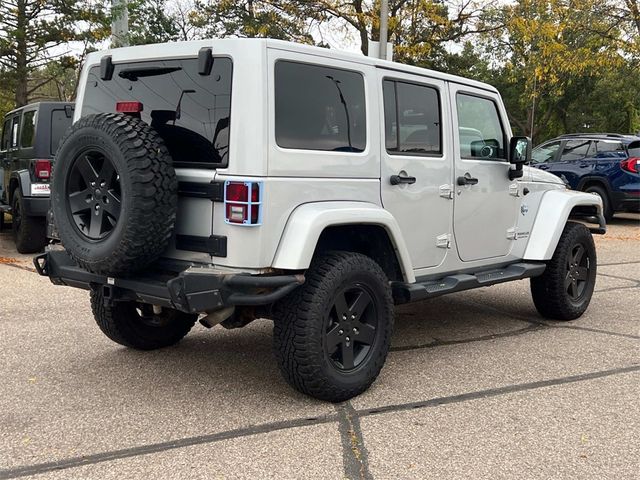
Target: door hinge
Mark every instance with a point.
(512, 234)
(443, 241)
(446, 191)
(514, 190)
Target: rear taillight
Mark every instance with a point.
(631, 164)
(129, 107)
(42, 169)
(243, 203)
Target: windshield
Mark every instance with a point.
(190, 111)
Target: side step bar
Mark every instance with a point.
(411, 292)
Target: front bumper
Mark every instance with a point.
(193, 290)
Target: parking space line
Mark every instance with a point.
(283, 425)
(354, 452)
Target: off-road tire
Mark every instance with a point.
(302, 318)
(549, 291)
(29, 233)
(607, 208)
(148, 187)
(123, 324)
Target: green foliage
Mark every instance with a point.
(560, 65)
(279, 19)
(33, 33)
(150, 22)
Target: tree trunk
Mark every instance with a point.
(22, 71)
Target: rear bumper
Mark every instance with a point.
(627, 201)
(194, 290)
(35, 206)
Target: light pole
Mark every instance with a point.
(384, 28)
(119, 23)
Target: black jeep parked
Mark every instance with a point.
(29, 140)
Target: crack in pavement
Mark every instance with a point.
(494, 392)
(354, 454)
(636, 281)
(618, 263)
(348, 418)
(483, 338)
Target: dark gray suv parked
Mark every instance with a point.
(29, 140)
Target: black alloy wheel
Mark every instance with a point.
(577, 276)
(564, 289)
(331, 335)
(352, 328)
(95, 197)
(114, 194)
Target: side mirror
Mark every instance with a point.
(519, 154)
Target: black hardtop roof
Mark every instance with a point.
(40, 106)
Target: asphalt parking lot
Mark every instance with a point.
(477, 386)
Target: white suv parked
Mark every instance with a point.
(230, 180)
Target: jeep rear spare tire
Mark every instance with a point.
(114, 194)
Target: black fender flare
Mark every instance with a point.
(19, 179)
(595, 179)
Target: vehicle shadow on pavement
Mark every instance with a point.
(208, 363)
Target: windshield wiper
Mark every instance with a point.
(134, 73)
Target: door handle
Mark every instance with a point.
(398, 179)
(467, 180)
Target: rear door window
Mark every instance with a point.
(190, 111)
(60, 121)
(28, 129)
(319, 108)
(575, 150)
(412, 118)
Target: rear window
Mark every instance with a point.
(190, 111)
(634, 149)
(60, 121)
(319, 108)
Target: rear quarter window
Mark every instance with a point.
(319, 108)
(28, 134)
(59, 124)
(190, 111)
(6, 135)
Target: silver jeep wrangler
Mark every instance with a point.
(229, 180)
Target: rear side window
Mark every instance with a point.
(190, 111)
(479, 128)
(606, 149)
(60, 121)
(28, 129)
(6, 135)
(15, 127)
(575, 150)
(412, 118)
(634, 149)
(319, 108)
